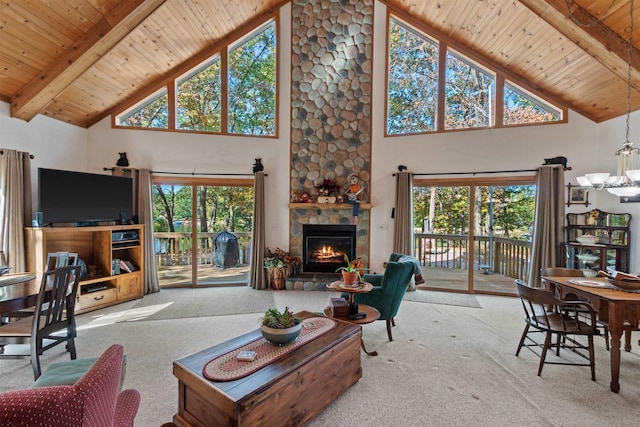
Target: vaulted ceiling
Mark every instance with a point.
(79, 60)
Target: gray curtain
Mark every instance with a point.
(403, 226)
(143, 208)
(257, 277)
(15, 209)
(548, 223)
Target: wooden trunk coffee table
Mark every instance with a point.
(289, 391)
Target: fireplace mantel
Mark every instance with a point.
(314, 205)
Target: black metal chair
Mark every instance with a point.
(549, 315)
(52, 323)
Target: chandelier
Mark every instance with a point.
(626, 181)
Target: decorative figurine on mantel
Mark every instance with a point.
(354, 189)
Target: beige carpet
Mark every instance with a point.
(446, 298)
(178, 303)
(447, 366)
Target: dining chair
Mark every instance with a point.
(60, 259)
(54, 260)
(547, 314)
(574, 272)
(53, 321)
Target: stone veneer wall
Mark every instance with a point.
(332, 46)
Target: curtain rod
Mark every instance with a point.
(475, 173)
(31, 156)
(194, 173)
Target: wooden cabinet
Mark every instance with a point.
(101, 249)
(595, 240)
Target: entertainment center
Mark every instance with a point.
(106, 282)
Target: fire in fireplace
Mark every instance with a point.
(324, 246)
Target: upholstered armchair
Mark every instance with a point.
(388, 290)
(94, 400)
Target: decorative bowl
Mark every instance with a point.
(629, 285)
(281, 336)
(587, 272)
(587, 239)
(588, 257)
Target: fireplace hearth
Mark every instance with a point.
(324, 247)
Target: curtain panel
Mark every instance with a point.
(257, 277)
(546, 250)
(15, 206)
(403, 225)
(143, 209)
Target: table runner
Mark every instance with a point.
(599, 284)
(227, 368)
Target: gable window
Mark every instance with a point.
(199, 98)
(469, 94)
(151, 113)
(232, 91)
(436, 85)
(413, 80)
(521, 107)
(252, 84)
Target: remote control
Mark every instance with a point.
(357, 316)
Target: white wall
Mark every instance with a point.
(59, 145)
(54, 144)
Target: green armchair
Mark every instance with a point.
(388, 290)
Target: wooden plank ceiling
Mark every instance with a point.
(79, 60)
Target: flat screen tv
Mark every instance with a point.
(83, 198)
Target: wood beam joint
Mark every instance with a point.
(78, 58)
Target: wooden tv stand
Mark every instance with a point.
(97, 247)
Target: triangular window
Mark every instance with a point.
(521, 107)
(150, 113)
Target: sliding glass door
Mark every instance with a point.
(473, 235)
(202, 231)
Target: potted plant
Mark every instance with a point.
(280, 264)
(351, 272)
(280, 327)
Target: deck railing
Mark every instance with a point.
(510, 256)
(176, 248)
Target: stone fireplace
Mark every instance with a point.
(331, 70)
(325, 246)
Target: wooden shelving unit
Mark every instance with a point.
(97, 247)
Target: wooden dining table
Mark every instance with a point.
(613, 306)
(21, 292)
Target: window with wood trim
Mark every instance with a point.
(469, 94)
(522, 107)
(412, 80)
(233, 91)
(435, 87)
(150, 113)
(199, 98)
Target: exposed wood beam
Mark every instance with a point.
(596, 39)
(77, 59)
